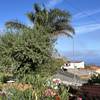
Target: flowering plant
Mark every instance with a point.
(56, 90)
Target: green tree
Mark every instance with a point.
(6, 43)
(29, 49)
(55, 20)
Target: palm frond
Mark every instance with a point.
(59, 21)
(37, 8)
(54, 20)
(57, 13)
(15, 25)
(31, 16)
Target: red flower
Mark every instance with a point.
(57, 97)
(56, 81)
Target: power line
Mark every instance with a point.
(78, 9)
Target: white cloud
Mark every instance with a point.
(87, 28)
(86, 13)
(52, 3)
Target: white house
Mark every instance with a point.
(98, 70)
(73, 65)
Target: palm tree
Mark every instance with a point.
(55, 20)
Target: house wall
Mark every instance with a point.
(98, 71)
(77, 65)
(73, 65)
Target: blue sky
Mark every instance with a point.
(85, 20)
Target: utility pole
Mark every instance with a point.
(74, 79)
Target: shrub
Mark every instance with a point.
(56, 90)
(4, 78)
(15, 94)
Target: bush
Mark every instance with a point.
(55, 90)
(15, 94)
(4, 78)
(94, 79)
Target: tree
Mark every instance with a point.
(6, 43)
(29, 49)
(54, 20)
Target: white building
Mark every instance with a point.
(73, 65)
(98, 70)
